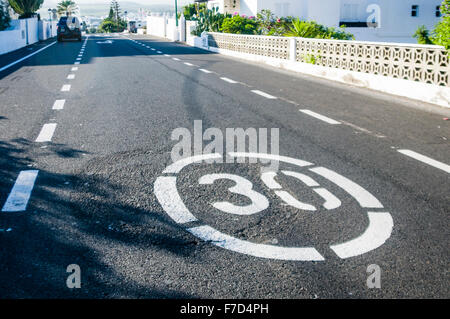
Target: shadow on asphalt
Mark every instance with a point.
(74, 219)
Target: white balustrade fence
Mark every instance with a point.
(427, 64)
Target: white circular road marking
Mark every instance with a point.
(378, 231)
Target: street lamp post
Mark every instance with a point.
(176, 13)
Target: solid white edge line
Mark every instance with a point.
(320, 117)
(46, 133)
(26, 57)
(267, 96)
(20, 193)
(58, 105)
(426, 160)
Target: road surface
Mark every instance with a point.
(84, 147)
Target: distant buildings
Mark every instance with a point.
(396, 20)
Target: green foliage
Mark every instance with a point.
(422, 35)
(441, 34)
(210, 21)
(92, 30)
(114, 22)
(239, 25)
(66, 7)
(4, 16)
(25, 8)
(268, 24)
(191, 11)
(311, 29)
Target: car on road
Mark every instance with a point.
(69, 28)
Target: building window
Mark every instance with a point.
(415, 11)
(438, 11)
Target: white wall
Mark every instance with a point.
(17, 35)
(157, 25)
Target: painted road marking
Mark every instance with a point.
(364, 198)
(20, 194)
(267, 96)
(58, 105)
(77, 62)
(320, 117)
(65, 88)
(78, 59)
(167, 55)
(378, 232)
(229, 80)
(71, 77)
(205, 71)
(426, 160)
(153, 49)
(188, 64)
(46, 133)
(176, 59)
(75, 68)
(207, 233)
(26, 57)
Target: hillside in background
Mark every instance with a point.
(99, 9)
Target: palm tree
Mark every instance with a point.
(67, 7)
(25, 8)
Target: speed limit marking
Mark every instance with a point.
(380, 223)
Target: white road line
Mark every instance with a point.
(219, 239)
(426, 160)
(376, 234)
(75, 68)
(78, 59)
(364, 198)
(176, 59)
(320, 117)
(205, 71)
(58, 105)
(71, 77)
(26, 57)
(77, 63)
(80, 55)
(46, 133)
(20, 193)
(229, 81)
(167, 55)
(188, 64)
(267, 96)
(65, 88)
(153, 49)
(159, 52)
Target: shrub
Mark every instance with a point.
(4, 16)
(311, 29)
(239, 25)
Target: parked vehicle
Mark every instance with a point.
(132, 27)
(69, 28)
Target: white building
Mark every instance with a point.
(396, 20)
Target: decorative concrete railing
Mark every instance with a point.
(426, 64)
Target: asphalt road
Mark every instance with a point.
(95, 202)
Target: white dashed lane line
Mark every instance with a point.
(229, 81)
(59, 104)
(267, 96)
(71, 77)
(176, 59)
(76, 63)
(205, 71)
(320, 117)
(65, 88)
(20, 193)
(188, 64)
(75, 68)
(46, 133)
(426, 160)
